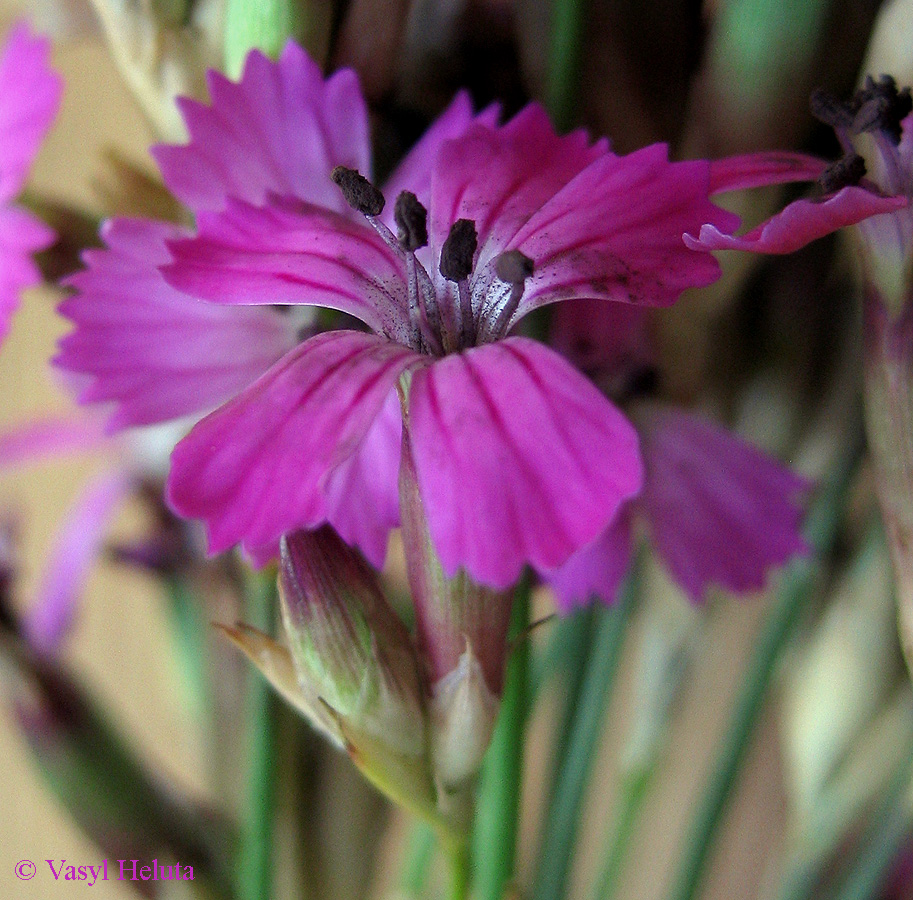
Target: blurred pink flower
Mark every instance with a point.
(29, 97)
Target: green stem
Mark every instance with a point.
(259, 24)
(634, 790)
(254, 874)
(191, 632)
(889, 831)
(497, 811)
(793, 594)
(419, 854)
(560, 832)
(459, 871)
(564, 62)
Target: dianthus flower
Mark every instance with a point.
(519, 458)
(29, 96)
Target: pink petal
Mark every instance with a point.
(519, 459)
(20, 236)
(610, 341)
(153, 352)
(800, 223)
(414, 172)
(615, 232)
(500, 177)
(29, 97)
(289, 252)
(362, 493)
(721, 511)
(76, 548)
(258, 467)
(281, 129)
(736, 173)
(41, 439)
(596, 571)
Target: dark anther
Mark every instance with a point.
(513, 267)
(845, 172)
(411, 221)
(881, 107)
(360, 194)
(828, 109)
(458, 250)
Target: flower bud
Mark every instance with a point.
(355, 658)
(463, 713)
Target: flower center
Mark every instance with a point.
(440, 324)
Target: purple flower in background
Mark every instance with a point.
(29, 96)
(718, 510)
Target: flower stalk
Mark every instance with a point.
(794, 593)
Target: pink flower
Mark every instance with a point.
(519, 458)
(846, 197)
(29, 96)
(718, 511)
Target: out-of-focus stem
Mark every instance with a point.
(889, 424)
(495, 834)
(254, 873)
(794, 592)
(564, 61)
(559, 836)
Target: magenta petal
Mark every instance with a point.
(29, 97)
(500, 177)
(363, 492)
(596, 571)
(735, 173)
(282, 129)
(414, 172)
(20, 235)
(75, 550)
(721, 511)
(258, 466)
(289, 252)
(519, 459)
(615, 232)
(152, 351)
(800, 223)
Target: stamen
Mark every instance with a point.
(458, 250)
(359, 193)
(411, 221)
(843, 173)
(513, 268)
(456, 265)
(830, 110)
